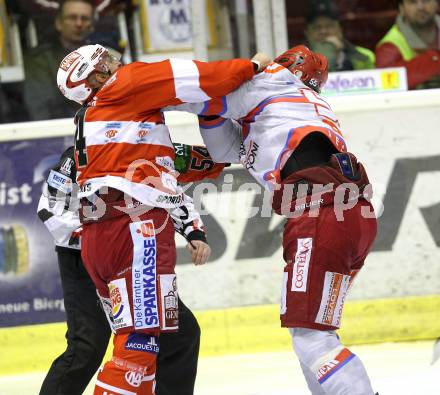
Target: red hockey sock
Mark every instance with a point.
(132, 369)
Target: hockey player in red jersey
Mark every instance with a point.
(125, 162)
(288, 138)
(88, 331)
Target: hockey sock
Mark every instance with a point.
(337, 370)
(132, 369)
(313, 384)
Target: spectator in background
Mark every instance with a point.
(11, 97)
(414, 42)
(74, 22)
(324, 35)
(43, 12)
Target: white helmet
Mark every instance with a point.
(76, 67)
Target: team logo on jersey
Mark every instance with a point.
(110, 134)
(134, 378)
(144, 130)
(142, 133)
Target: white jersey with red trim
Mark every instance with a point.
(274, 112)
(122, 141)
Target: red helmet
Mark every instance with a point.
(310, 67)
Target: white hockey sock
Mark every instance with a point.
(336, 368)
(313, 384)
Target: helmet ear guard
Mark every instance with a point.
(310, 67)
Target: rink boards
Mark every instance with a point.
(237, 294)
(245, 330)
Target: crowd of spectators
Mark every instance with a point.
(413, 41)
(74, 23)
(324, 35)
(59, 27)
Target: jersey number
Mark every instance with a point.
(201, 164)
(80, 140)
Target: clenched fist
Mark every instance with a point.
(261, 60)
(200, 252)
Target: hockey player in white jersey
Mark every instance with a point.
(287, 136)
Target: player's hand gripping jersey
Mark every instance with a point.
(274, 112)
(122, 141)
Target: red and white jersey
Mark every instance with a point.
(274, 112)
(122, 141)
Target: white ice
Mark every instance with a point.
(394, 369)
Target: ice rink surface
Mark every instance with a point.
(394, 368)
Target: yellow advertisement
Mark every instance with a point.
(390, 80)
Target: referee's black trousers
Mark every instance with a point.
(88, 335)
(178, 356)
(88, 331)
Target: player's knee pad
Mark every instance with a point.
(132, 368)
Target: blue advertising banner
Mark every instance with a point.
(30, 289)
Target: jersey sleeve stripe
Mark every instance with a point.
(187, 82)
(274, 68)
(216, 106)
